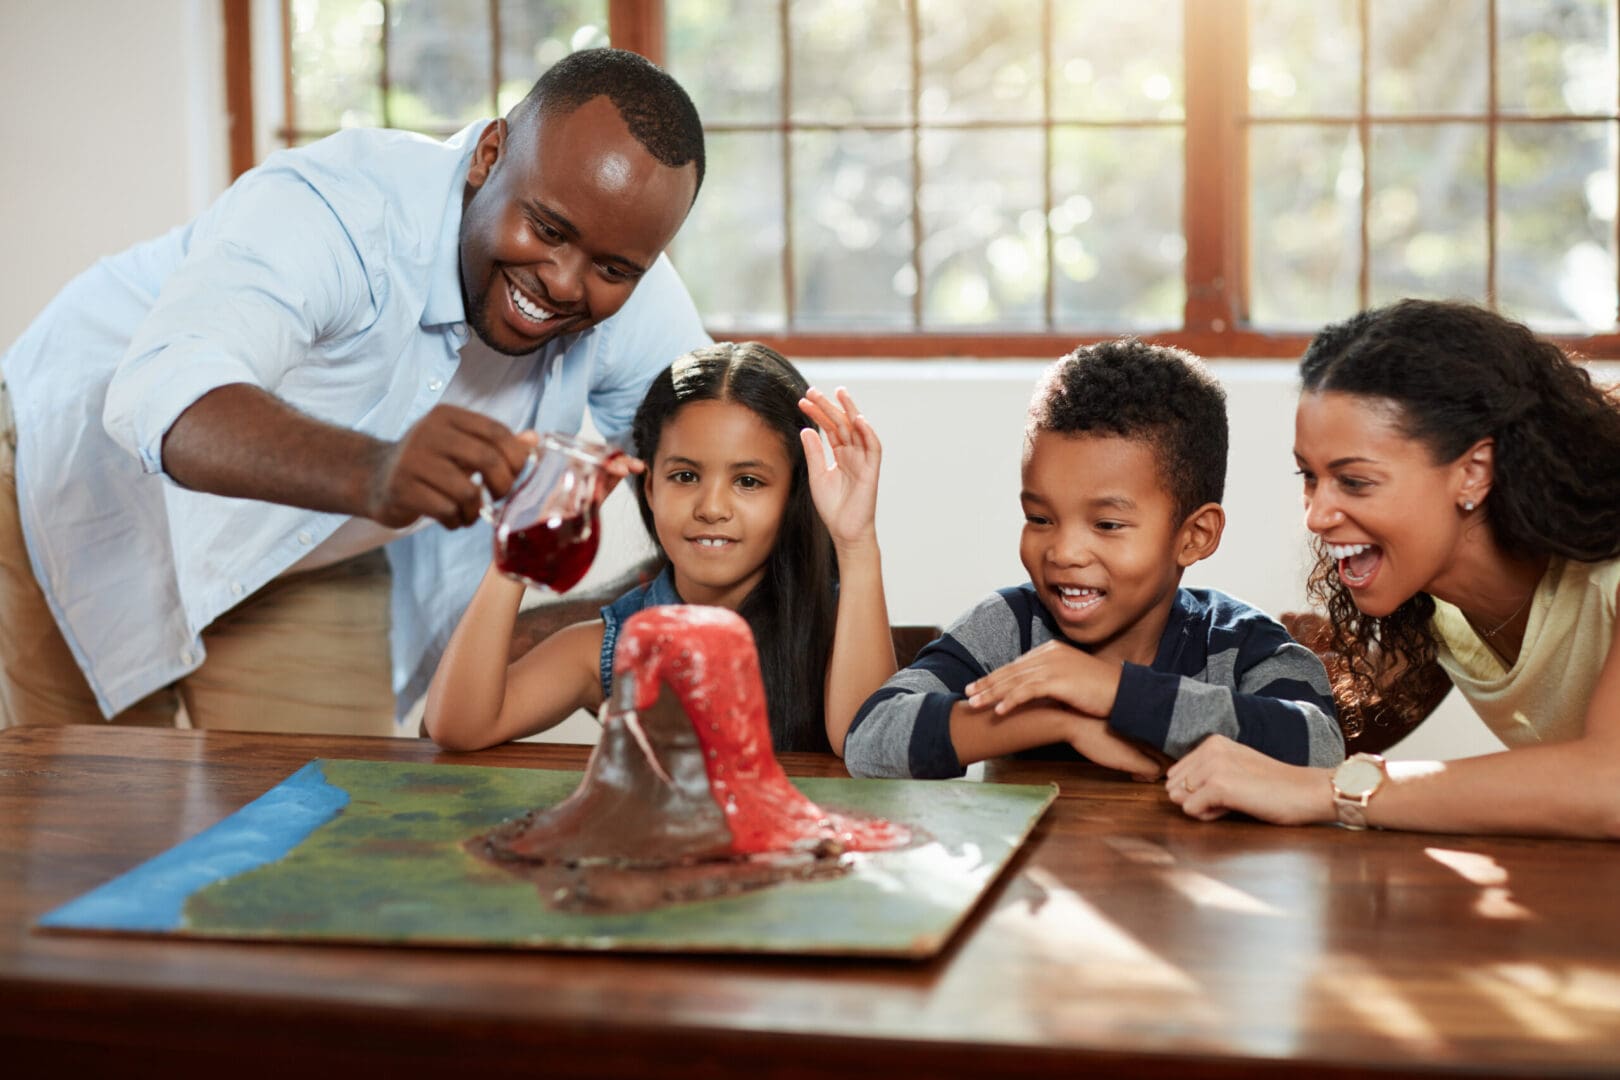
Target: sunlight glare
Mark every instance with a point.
(1538, 1018)
(1379, 1003)
(1471, 866)
(1064, 924)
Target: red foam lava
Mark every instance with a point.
(706, 656)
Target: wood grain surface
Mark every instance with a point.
(1126, 940)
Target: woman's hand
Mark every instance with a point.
(1221, 776)
(845, 492)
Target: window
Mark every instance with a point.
(1008, 177)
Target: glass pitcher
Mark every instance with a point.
(546, 527)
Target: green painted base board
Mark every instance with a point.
(383, 864)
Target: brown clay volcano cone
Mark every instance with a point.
(683, 797)
(626, 810)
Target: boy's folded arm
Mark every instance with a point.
(904, 729)
(1280, 705)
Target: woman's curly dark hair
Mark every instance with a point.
(1458, 374)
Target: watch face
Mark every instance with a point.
(1356, 777)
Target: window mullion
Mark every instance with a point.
(1492, 131)
(790, 305)
(1048, 132)
(638, 25)
(914, 37)
(1215, 203)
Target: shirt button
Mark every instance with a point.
(236, 588)
(305, 539)
(185, 657)
(435, 384)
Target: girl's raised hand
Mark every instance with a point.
(845, 492)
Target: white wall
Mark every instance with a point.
(117, 133)
(113, 132)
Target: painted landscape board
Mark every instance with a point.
(371, 852)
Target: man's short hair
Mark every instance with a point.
(656, 110)
(1163, 396)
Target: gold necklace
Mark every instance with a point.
(1503, 624)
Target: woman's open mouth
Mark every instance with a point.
(1358, 563)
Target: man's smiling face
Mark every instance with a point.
(562, 216)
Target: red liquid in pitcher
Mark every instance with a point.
(555, 554)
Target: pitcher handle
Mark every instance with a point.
(491, 507)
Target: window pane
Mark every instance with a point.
(1427, 220)
(438, 63)
(1117, 60)
(1555, 236)
(851, 60)
(852, 229)
(981, 59)
(536, 35)
(1304, 224)
(1556, 56)
(1304, 57)
(984, 246)
(336, 63)
(730, 250)
(1118, 249)
(728, 56)
(1428, 56)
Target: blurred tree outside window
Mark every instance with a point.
(996, 176)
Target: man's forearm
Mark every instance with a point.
(538, 623)
(241, 441)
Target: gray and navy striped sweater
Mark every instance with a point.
(1223, 667)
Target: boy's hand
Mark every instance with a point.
(1057, 671)
(1102, 746)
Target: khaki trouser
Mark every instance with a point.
(308, 652)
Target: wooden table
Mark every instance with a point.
(1126, 939)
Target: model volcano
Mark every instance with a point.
(683, 798)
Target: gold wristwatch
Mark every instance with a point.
(1355, 782)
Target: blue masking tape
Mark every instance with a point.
(153, 895)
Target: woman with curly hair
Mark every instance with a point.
(1462, 481)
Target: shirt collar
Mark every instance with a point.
(662, 590)
(444, 304)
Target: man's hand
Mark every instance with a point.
(1056, 671)
(430, 472)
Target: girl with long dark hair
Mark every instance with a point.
(1462, 481)
(746, 514)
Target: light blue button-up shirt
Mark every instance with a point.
(329, 276)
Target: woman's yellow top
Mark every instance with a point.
(1543, 697)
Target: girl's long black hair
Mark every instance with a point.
(792, 611)
(1458, 374)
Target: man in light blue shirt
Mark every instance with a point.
(325, 362)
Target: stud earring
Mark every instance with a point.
(1468, 504)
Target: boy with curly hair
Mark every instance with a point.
(1102, 651)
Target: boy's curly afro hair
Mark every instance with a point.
(1166, 397)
